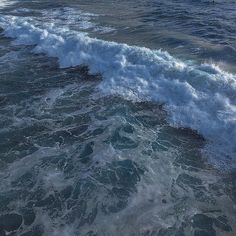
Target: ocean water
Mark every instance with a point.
(118, 118)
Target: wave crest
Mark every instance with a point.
(201, 97)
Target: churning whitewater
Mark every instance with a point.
(200, 97)
(117, 118)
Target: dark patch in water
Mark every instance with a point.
(10, 222)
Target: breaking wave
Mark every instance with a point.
(198, 96)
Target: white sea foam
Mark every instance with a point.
(21, 10)
(5, 3)
(201, 97)
(75, 18)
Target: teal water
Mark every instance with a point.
(77, 161)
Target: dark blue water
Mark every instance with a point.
(112, 136)
(200, 30)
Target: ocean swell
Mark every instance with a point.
(200, 97)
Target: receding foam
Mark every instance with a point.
(197, 96)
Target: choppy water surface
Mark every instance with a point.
(101, 137)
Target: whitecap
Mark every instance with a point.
(197, 96)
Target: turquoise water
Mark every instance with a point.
(112, 136)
